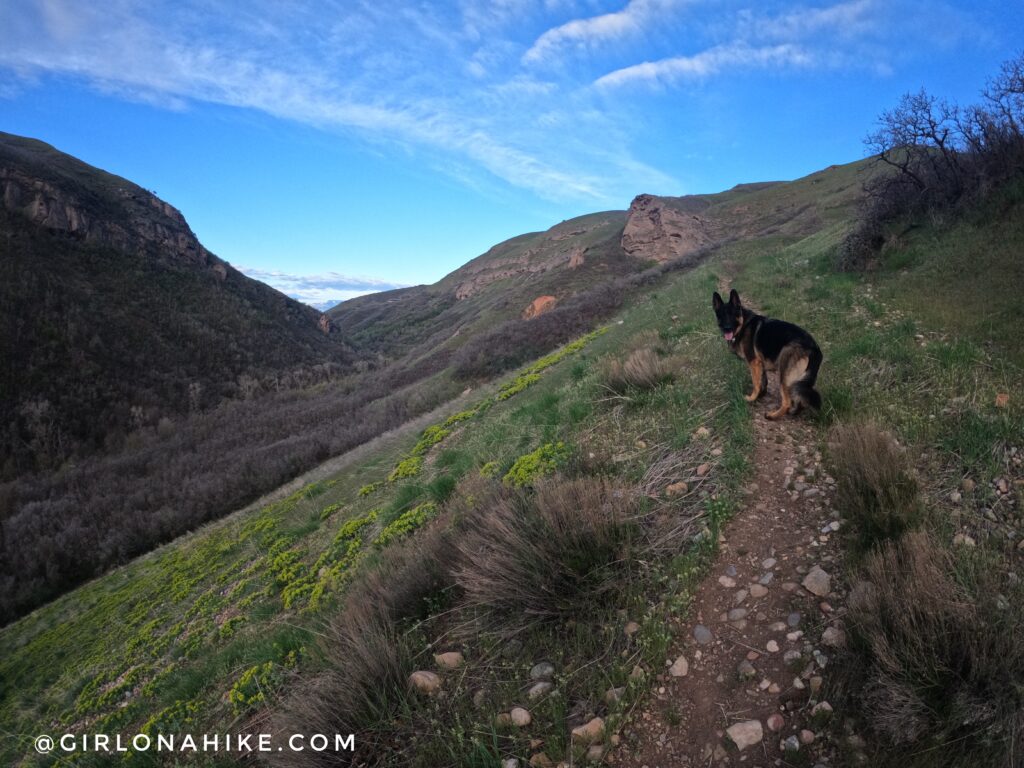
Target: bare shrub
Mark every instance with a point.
(549, 556)
(876, 492)
(933, 158)
(943, 656)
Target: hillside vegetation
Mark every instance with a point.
(155, 388)
(310, 613)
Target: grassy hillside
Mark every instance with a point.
(222, 629)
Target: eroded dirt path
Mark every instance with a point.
(763, 626)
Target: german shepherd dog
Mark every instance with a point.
(771, 345)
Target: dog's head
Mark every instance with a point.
(729, 314)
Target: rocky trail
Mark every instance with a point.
(744, 683)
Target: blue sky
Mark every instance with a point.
(333, 148)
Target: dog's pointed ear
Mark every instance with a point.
(734, 298)
(716, 302)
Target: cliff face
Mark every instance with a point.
(131, 219)
(110, 306)
(658, 231)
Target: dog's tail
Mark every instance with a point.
(803, 388)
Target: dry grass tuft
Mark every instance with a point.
(943, 656)
(368, 659)
(877, 493)
(641, 370)
(556, 554)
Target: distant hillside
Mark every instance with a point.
(581, 267)
(114, 315)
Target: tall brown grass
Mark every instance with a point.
(942, 654)
(555, 554)
(876, 490)
(369, 656)
(642, 366)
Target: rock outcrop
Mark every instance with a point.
(131, 219)
(656, 231)
(539, 306)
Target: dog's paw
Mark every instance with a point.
(751, 397)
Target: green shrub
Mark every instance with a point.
(536, 464)
(407, 467)
(406, 523)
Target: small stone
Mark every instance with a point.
(745, 734)
(702, 634)
(795, 635)
(544, 670)
(449, 660)
(791, 744)
(677, 489)
(631, 628)
(816, 682)
(731, 571)
(637, 673)
(510, 762)
(817, 582)
(595, 753)
(425, 682)
(758, 590)
(793, 620)
(503, 719)
(963, 540)
(778, 626)
(833, 637)
(766, 579)
(771, 646)
(821, 712)
(768, 563)
(703, 469)
(680, 667)
(589, 732)
(806, 736)
(539, 689)
(613, 695)
(746, 671)
(774, 688)
(520, 717)
(1003, 485)
(736, 614)
(956, 497)
(541, 760)
(776, 722)
(741, 595)
(792, 657)
(753, 655)
(701, 432)
(967, 484)
(479, 697)
(727, 581)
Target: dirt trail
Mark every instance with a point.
(753, 639)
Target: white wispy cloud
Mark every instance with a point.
(596, 30)
(320, 290)
(707, 63)
(389, 74)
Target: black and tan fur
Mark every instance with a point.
(766, 345)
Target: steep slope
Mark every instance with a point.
(114, 314)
